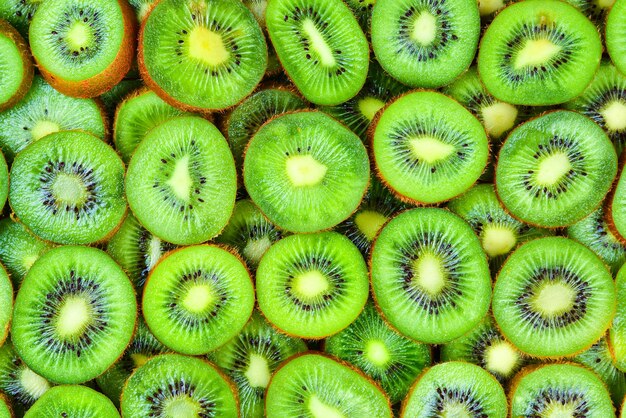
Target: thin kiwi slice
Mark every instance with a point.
(44, 111)
(617, 333)
(428, 148)
(455, 389)
(6, 301)
(539, 52)
(177, 191)
(74, 314)
(16, 66)
(201, 55)
(312, 285)
(5, 407)
(559, 390)
(19, 249)
(555, 169)
(390, 359)
(315, 385)
(19, 13)
(615, 33)
(425, 43)
(68, 187)
(553, 297)
(72, 401)
(197, 298)
(251, 358)
(306, 171)
(430, 276)
(4, 181)
(175, 386)
(321, 47)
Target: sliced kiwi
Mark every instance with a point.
(595, 10)
(16, 66)
(72, 401)
(257, 7)
(428, 148)
(44, 111)
(317, 386)
(617, 333)
(197, 298)
(202, 55)
(559, 390)
(312, 285)
(19, 13)
(390, 359)
(175, 386)
(615, 33)
(539, 52)
(68, 187)
(142, 8)
(74, 314)
(251, 358)
(553, 298)
(306, 171)
(555, 170)
(5, 407)
(489, 8)
(177, 191)
(6, 301)
(4, 181)
(19, 249)
(112, 98)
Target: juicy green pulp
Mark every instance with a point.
(615, 33)
(11, 68)
(73, 401)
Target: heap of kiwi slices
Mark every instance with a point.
(312, 208)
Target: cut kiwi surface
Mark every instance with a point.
(4, 181)
(16, 66)
(5, 408)
(615, 32)
(19, 249)
(73, 401)
(19, 13)
(617, 333)
(598, 358)
(6, 301)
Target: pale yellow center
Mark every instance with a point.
(139, 359)
(368, 106)
(430, 149)
(535, 53)
(79, 35)
(68, 188)
(182, 407)
(198, 298)
(369, 223)
(429, 274)
(605, 4)
(424, 29)
(33, 384)
(498, 118)
(311, 283)
(207, 46)
(154, 252)
(28, 261)
(552, 169)
(74, 316)
(43, 128)
(498, 240)
(319, 44)
(255, 248)
(180, 180)
(487, 7)
(554, 299)
(558, 410)
(258, 373)
(614, 115)
(377, 353)
(319, 409)
(304, 170)
(455, 409)
(501, 358)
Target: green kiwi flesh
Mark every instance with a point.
(5, 408)
(19, 13)
(617, 333)
(615, 32)
(16, 66)
(6, 301)
(4, 181)
(73, 401)
(19, 249)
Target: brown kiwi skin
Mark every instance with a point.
(608, 207)
(8, 404)
(27, 60)
(110, 76)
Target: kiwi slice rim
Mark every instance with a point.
(10, 34)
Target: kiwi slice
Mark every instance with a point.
(174, 386)
(16, 66)
(4, 181)
(595, 10)
(489, 8)
(498, 232)
(201, 55)
(430, 277)
(6, 301)
(390, 359)
(19, 13)
(317, 386)
(539, 52)
(251, 358)
(556, 169)
(321, 47)
(197, 298)
(142, 8)
(486, 347)
(312, 285)
(615, 33)
(44, 111)
(559, 390)
(249, 232)
(73, 401)
(19, 249)
(177, 191)
(553, 298)
(257, 7)
(112, 98)
(74, 314)
(68, 188)
(428, 148)
(5, 407)
(136, 115)
(306, 171)
(617, 333)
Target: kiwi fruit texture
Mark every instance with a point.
(73, 401)
(617, 333)
(6, 299)
(19, 249)
(4, 181)
(615, 30)
(19, 13)
(112, 98)
(16, 66)
(5, 408)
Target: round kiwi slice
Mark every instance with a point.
(68, 187)
(390, 359)
(556, 169)
(615, 33)
(306, 171)
(430, 277)
(6, 301)
(177, 191)
(317, 386)
(564, 390)
(321, 47)
(617, 333)
(425, 43)
(16, 66)
(539, 52)
(5, 407)
(74, 314)
(19, 249)
(83, 49)
(19, 13)
(72, 401)
(455, 389)
(197, 298)
(175, 386)
(44, 111)
(4, 181)
(428, 148)
(553, 297)
(312, 285)
(201, 54)
(251, 358)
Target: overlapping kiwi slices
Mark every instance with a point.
(429, 275)
(73, 401)
(202, 55)
(177, 191)
(19, 249)
(555, 170)
(598, 358)
(16, 66)
(617, 333)
(553, 297)
(315, 385)
(539, 52)
(615, 33)
(4, 181)
(19, 13)
(174, 386)
(428, 148)
(6, 301)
